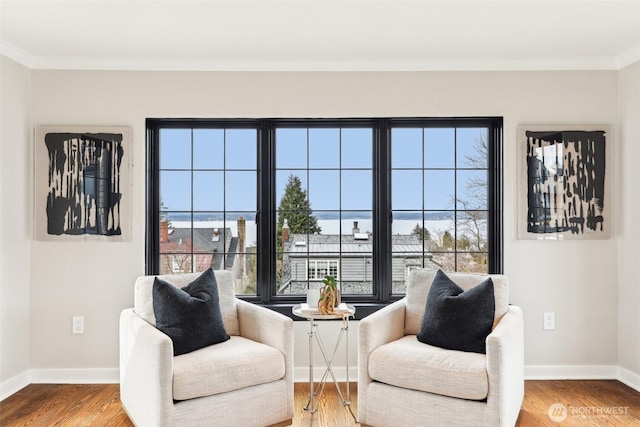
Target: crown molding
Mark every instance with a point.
(627, 58)
(578, 64)
(162, 64)
(17, 54)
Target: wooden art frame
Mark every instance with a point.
(564, 189)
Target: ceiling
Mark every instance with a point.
(321, 35)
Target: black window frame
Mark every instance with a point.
(382, 210)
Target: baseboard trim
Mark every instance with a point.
(14, 384)
(75, 376)
(571, 372)
(301, 374)
(629, 378)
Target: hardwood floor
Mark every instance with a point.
(587, 403)
(46, 405)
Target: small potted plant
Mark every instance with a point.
(329, 296)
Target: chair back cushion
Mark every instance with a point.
(420, 282)
(143, 296)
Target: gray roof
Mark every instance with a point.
(204, 241)
(302, 244)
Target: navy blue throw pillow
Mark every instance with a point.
(455, 319)
(190, 316)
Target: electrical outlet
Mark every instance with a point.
(549, 321)
(78, 325)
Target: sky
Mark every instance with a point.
(325, 150)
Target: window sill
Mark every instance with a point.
(362, 309)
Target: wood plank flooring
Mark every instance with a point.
(587, 403)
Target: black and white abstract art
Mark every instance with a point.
(564, 178)
(82, 177)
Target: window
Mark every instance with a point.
(284, 203)
(207, 201)
(318, 269)
(439, 179)
(324, 189)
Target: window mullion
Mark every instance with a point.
(494, 196)
(266, 241)
(382, 219)
(153, 198)
(192, 243)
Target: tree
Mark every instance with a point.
(447, 240)
(463, 244)
(477, 159)
(180, 257)
(421, 232)
(251, 276)
(473, 219)
(296, 209)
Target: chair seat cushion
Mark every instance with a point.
(408, 363)
(231, 365)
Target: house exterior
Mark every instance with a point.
(184, 249)
(347, 257)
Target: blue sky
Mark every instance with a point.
(326, 151)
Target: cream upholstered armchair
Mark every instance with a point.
(246, 380)
(402, 381)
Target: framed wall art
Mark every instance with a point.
(564, 182)
(82, 176)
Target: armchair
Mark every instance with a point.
(245, 381)
(402, 381)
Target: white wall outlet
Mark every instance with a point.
(78, 325)
(549, 321)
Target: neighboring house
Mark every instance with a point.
(200, 248)
(349, 258)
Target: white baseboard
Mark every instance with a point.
(571, 372)
(301, 374)
(14, 384)
(75, 376)
(629, 378)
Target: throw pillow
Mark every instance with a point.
(190, 316)
(455, 319)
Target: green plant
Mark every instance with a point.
(329, 295)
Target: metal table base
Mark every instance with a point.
(314, 336)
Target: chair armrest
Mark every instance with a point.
(273, 329)
(381, 327)
(505, 366)
(146, 370)
(266, 326)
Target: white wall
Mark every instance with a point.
(577, 280)
(15, 225)
(629, 229)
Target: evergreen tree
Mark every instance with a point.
(464, 244)
(421, 232)
(447, 240)
(296, 209)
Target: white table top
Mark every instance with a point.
(349, 310)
